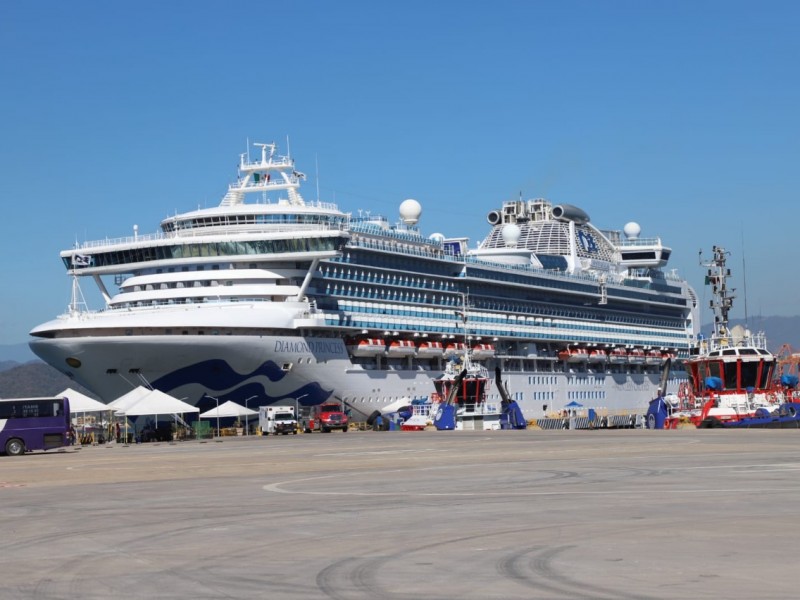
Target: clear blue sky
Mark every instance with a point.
(682, 116)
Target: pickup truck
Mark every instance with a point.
(326, 417)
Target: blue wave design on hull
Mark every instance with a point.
(217, 374)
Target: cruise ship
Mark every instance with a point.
(271, 298)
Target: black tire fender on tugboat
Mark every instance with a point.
(371, 419)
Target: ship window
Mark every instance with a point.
(766, 374)
(111, 371)
(749, 374)
(714, 369)
(730, 376)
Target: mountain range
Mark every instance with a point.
(23, 375)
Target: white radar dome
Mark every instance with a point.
(511, 233)
(632, 230)
(437, 237)
(410, 210)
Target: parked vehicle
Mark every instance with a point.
(34, 424)
(326, 417)
(277, 420)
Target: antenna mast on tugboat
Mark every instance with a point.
(744, 282)
(722, 301)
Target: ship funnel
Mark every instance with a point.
(494, 217)
(567, 212)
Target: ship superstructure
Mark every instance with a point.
(269, 295)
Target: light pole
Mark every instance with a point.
(217, 399)
(247, 417)
(297, 407)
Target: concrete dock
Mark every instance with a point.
(625, 514)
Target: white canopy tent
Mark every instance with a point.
(129, 399)
(156, 402)
(229, 409)
(81, 403)
(142, 401)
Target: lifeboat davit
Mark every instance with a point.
(482, 351)
(430, 350)
(368, 347)
(401, 348)
(618, 356)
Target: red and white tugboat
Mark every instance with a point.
(732, 373)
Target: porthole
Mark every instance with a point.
(73, 362)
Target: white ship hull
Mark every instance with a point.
(280, 369)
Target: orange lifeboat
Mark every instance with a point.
(430, 350)
(455, 349)
(482, 351)
(401, 348)
(574, 355)
(637, 356)
(654, 357)
(618, 356)
(368, 347)
(598, 356)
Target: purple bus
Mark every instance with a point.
(33, 424)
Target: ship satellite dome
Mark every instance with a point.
(410, 210)
(436, 237)
(632, 230)
(511, 234)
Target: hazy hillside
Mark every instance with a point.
(5, 365)
(35, 379)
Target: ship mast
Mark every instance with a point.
(77, 303)
(722, 301)
(258, 177)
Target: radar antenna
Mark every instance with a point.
(264, 147)
(722, 301)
